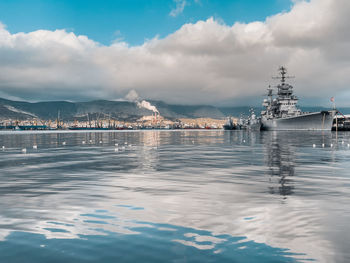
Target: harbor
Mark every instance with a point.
(174, 131)
(280, 111)
(148, 124)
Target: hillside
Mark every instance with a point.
(120, 110)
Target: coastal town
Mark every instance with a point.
(146, 122)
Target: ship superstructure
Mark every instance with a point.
(229, 125)
(281, 111)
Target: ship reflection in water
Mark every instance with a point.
(184, 196)
(280, 159)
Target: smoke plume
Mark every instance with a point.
(134, 97)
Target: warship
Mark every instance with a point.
(229, 125)
(253, 122)
(281, 112)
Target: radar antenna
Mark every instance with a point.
(283, 71)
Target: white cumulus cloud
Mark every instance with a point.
(204, 62)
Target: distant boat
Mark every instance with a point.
(281, 112)
(229, 125)
(341, 123)
(253, 123)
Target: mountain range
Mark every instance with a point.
(120, 110)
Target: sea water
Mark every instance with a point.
(174, 196)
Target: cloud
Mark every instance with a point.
(180, 6)
(204, 62)
(132, 96)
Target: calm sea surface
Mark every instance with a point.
(174, 196)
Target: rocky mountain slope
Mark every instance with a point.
(121, 110)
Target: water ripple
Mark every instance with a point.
(186, 196)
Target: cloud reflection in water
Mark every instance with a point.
(209, 195)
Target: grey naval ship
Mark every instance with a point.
(281, 111)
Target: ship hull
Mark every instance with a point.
(229, 127)
(321, 121)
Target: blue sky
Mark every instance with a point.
(130, 20)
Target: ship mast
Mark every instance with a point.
(283, 72)
(270, 93)
(284, 104)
